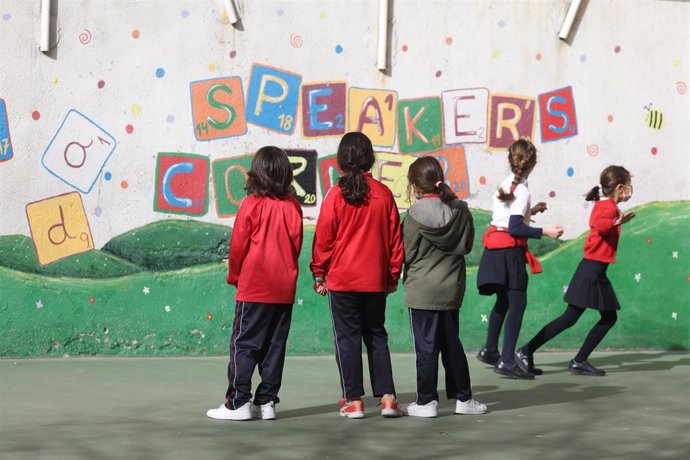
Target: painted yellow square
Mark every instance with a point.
(372, 111)
(391, 169)
(59, 227)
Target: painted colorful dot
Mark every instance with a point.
(338, 49)
(129, 129)
(35, 114)
(404, 48)
(124, 184)
(107, 175)
(160, 72)
(135, 34)
(654, 151)
(571, 172)
(97, 211)
(101, 84)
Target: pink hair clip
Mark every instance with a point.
(438, 183)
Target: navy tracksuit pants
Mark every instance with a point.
(357, 317)
(259, 335)
(433, 332)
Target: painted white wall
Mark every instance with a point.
(494, 45)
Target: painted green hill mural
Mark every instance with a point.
(172, 244)
(17, 253)
(160, 311)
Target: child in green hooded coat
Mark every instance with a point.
(437, 233)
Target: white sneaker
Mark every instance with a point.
(420, 410)
(223, 413)
(265, 411)
(470, 407)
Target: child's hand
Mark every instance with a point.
(392, 288)
(554, 232)
(537, 208)
(627, 217)
(320, 287)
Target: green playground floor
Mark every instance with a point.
(154, 408)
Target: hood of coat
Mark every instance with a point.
(441, 224)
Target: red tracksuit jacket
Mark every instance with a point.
(358, 249)
(264, 250)
(602, 241)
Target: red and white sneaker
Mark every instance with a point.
(389, 407)
(352, 409)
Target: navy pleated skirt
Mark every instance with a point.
(502, 269)
(591, 288)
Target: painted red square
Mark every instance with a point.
(182, 184)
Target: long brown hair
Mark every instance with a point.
(522, 156)
(355, 157)
(270, 174)
(426, 175)
(609, 179)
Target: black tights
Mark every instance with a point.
(513, 302)
(567, 320)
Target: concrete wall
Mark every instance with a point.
(147, 111)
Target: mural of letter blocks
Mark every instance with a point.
(420, 128)
(229, 176)
(510, 118)
(5, 141)
(272, 99)
(181, 184)
(372, 112)
(464, 115)
(78, 151)
(59, 227)
(329, 173)
(303, 164)
(391, 169)
(323, 109)
(218, 108)
(557, 114)
(454, 164)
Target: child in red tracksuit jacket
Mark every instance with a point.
(263, 266)
(356, 258)
(590, 287)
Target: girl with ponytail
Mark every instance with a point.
(502, 267)
(590, 287)
(437, 233)
(357, 255)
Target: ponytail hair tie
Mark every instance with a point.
(438, 183)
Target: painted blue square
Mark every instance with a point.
(272, 99)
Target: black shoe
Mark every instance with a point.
(488, 357)
(585, 369)
(526, 362)
(512, 371)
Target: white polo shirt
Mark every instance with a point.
(521, 205)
